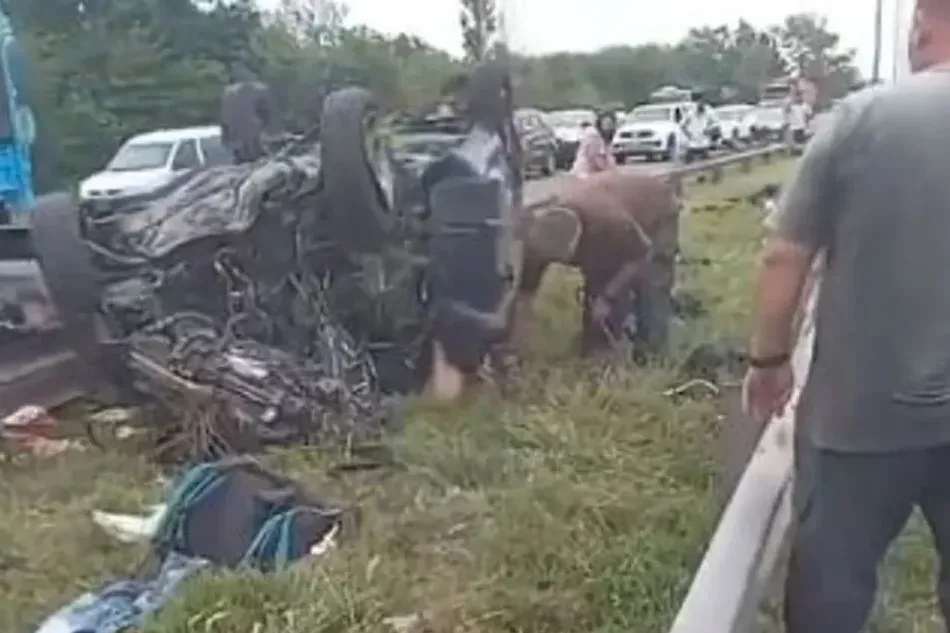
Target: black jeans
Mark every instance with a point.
(851, 506)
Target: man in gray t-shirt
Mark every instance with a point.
(872, 193)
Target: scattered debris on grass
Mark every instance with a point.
(582, 503)
(32, 430)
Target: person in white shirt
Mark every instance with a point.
(798, 117)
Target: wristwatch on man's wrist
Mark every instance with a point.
(769, 362)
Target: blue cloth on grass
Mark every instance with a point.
(124, 604)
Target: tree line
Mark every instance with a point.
(102, 70)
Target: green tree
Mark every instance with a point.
(479, 22)
(105, 69)
(735, 60)
(814, 51)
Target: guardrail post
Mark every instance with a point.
(746, 166)
(715, 174)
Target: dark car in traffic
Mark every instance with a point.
(538, 142)
(568, 126)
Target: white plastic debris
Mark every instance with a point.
(31, 417)
(327, 543)
(404, 623)
(32, 430)
(113, 415)
(130, 528)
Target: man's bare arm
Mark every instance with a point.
(783, 273)
(801, 226)
(638, 254)
(622, 279)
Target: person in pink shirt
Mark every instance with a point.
(593, 155)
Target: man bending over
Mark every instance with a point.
(620, 230)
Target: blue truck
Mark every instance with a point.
(17, 129)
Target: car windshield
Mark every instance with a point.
(571, 118)
(139, 156)
(651, 114)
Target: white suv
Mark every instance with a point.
(664, 131)
(148, 161)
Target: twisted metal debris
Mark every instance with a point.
(223, 312)
(285, 300)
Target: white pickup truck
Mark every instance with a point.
(664, 131)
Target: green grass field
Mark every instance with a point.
(582, 504)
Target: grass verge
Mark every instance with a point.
(583, 504)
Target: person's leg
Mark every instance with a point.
(654, 304)
(620, 310)
(935, 505)
(600, 336)
(592, 333)
(853, 507)
(654, 311)
(446, 381)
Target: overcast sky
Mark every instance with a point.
(544, 26)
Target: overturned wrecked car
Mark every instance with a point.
(286, 299)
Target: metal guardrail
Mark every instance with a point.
(743, 555)
(744, 159)
(43, 371)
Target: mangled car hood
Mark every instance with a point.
(219, 201)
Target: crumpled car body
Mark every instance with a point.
(287, 299)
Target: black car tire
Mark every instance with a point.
(64, 258)
(75, 286)
(357, 178)
(550, 164)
